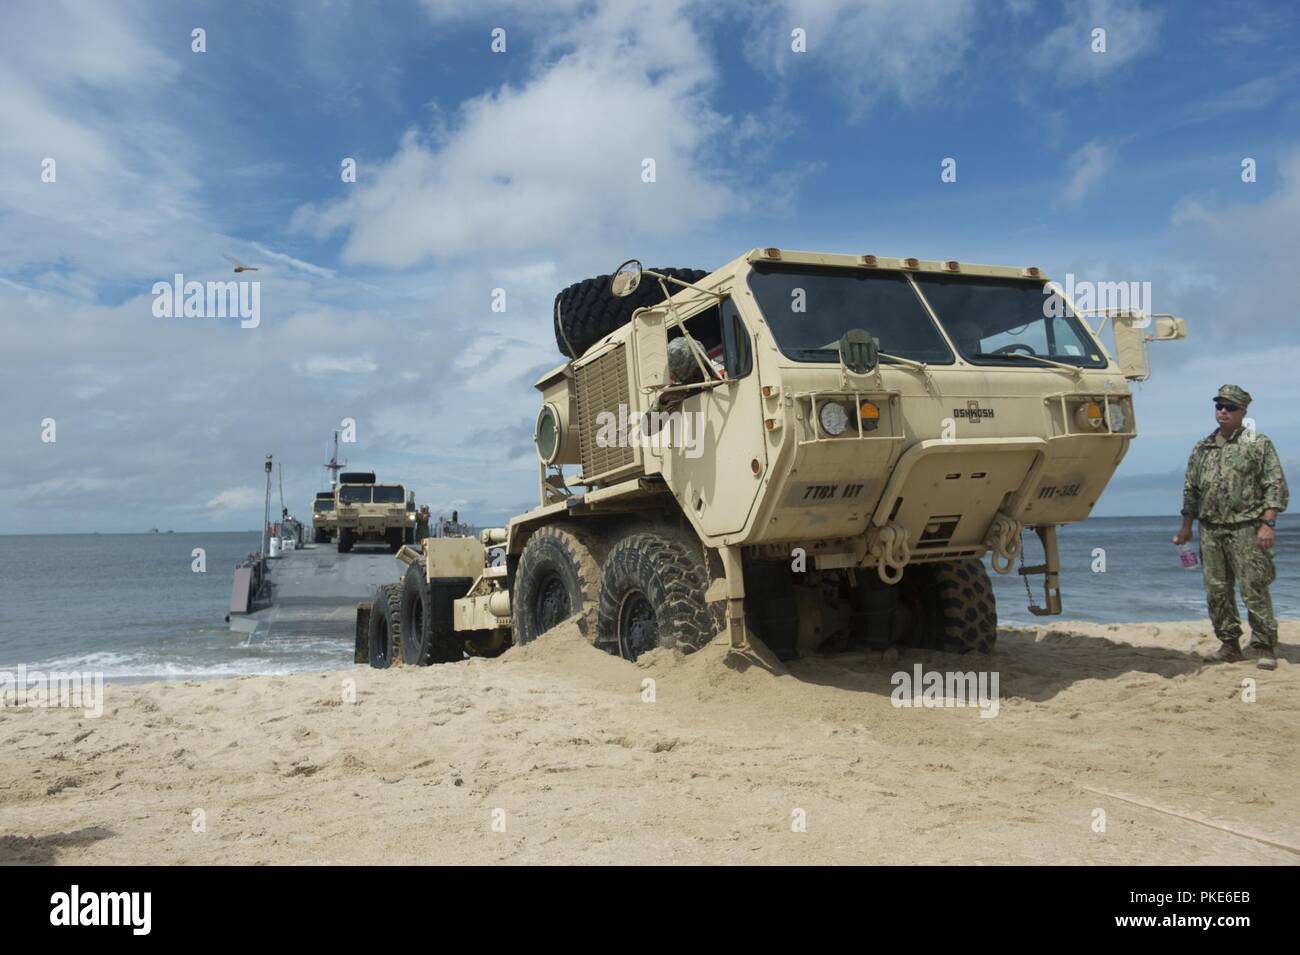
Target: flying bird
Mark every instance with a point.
(240, 266)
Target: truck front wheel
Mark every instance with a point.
(954, 601)
(558, 576)
(345, 540)
(652, 595)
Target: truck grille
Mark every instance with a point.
(602, 386)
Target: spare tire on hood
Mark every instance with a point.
(587, 311)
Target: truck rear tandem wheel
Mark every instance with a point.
(652, 595)
(558, 576)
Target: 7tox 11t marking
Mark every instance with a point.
(827, 492)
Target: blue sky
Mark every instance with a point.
(521, 170)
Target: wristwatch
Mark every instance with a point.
(1269, 523)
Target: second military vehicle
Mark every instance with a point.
(367, 512)
(818, 449)
(323, 522)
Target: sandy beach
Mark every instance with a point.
(553, 753)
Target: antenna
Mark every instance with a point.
(280, 468)
(333, 465)
(266, 507)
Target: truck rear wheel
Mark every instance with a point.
(428, 633)
(385, 636)
(345, 540)
(652, 595)
(558, 576)
(587, 311)
(958, 612)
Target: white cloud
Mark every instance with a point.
(237, 499)
(336, 365)
(1087, 167)
(299, 264)
(1066, 53)
(865, 48)
(561, 155)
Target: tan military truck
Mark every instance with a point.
(815, 449)
(367, 512)
(323, 523)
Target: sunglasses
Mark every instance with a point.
(1219, 406)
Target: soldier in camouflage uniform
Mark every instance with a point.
(1235, 488)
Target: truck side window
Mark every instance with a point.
(737, 356)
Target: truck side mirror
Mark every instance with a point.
(1170, 328)
(1130, 347)
(1131, 340)
(650, 338)
(626, 279)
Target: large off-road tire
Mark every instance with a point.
(558, 576)
(385, 636)
(652, 595)
(427, 632)
(958, 612)
(318, 536)
(395, 538)
(346, 539)
(587, 311)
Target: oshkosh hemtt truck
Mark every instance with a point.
(323, 521)
(366, 512)
(816, 449)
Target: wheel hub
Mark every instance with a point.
(638, 631)
(552, 603)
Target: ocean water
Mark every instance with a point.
(130, 606)
(1143, 578)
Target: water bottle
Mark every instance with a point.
(1187, 554)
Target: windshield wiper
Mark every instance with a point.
(1072, 369)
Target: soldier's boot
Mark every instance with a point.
(1229, 652)
(1265, 659)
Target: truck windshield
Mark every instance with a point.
(389, 495)
(809, 308)
(354, 494)
(995, 321)
(324, 504)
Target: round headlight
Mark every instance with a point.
(1118, 416)
(834, 418)
(547, 434)
(1089, 417)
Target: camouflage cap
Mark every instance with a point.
(1234, 394)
